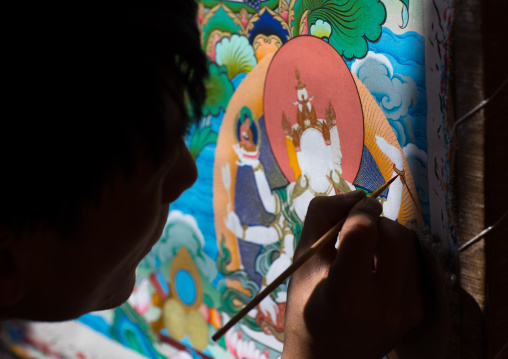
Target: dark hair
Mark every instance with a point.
(78, 86)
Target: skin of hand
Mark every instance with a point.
(360, 300)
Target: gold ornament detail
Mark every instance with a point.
(306, 118)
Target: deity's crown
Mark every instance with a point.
(307, 119)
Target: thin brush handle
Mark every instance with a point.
(320, 243)
(326, 238)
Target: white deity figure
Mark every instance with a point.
(319, 173)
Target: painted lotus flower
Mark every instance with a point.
(236, 54)
(140, 298)
(321, 29)
(180, 323)
(243, 348)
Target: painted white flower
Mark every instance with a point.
(243, 348)
(140, 298)
(321, 29)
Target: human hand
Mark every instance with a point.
(338, 305)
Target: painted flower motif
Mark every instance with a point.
(243, 348)
(236, 54)
(213, 39)
(321, 29)
(201, 13)
(140, 298)
(181, 231)
(304, 24)
(284, 9)
(181, 323)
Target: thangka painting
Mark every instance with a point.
(306, 98)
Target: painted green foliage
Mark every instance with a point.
(202, 137)
(132, 330)
(229, 296)
(220, 21)
(218, 90)
(237, 54)
(353, 23)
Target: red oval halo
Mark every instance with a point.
(328, 80)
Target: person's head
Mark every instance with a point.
(93, 113)
(247, 137)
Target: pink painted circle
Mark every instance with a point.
(328, 81)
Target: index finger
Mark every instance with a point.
(322, 214)
(358, 238)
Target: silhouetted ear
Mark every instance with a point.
(11, 285)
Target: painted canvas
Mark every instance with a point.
(305, 98)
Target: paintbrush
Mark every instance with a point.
(320, 243)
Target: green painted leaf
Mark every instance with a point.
(224, 257)
(219, 90)
(354, 23)
(201, 138)
(236, 53)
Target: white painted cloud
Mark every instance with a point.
(394, 93)
(181, 231)
(411, 150)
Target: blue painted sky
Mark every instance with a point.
(406, 53)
